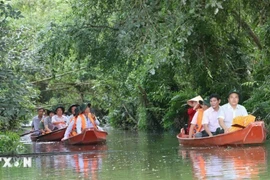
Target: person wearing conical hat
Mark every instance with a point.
(194, 105)
(196, 126)
(59, 119)
(194, 101)
(231, 110)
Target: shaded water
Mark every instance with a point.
(140, 155)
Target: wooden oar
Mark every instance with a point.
(238, 125)
(28, 133)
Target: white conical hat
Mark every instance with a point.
(196, 99)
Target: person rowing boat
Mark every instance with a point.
(36, 121)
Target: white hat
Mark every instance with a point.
(196, 99)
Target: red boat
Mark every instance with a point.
(88, 136)
(56, 135)
(254, 133)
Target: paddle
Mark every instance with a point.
(28, 133)
(239, 126)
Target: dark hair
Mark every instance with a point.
(40, 108)
(214, 96)
(48, 111)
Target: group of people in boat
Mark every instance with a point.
(208, 118)
(78, 118)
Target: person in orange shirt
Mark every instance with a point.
(196, 124)
(93, 120)
(83, 119)
(71, 129)
(193, 106)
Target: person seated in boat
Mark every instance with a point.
(210, 117)
(46, 124)
(83, 121)
(93, 120)
(193, 106)
(36, 120)
(71, 110)
(231, 110)
(59, 120)
(41, 123)
(72, 129)
(196, 123)
(67, 114)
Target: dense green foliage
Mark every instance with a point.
(15, 92)
(137, 61)
(10, 143)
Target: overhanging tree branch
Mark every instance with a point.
(56, 76)
(99, 26)
(131, 117)
(248, 29)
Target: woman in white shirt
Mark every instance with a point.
(59, 120)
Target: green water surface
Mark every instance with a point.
(140, 155)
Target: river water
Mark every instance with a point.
(139, 155)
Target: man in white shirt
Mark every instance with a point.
(210, 117)
(59, 120)
(231, 110)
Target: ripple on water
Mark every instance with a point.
(140, 155)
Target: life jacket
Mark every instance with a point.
(93, 120)
(191, 112)
(74, 129)
(199, 125)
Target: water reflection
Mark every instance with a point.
(88, 165)
(85, 160)
(227, 163)
(140, 155)
(42, 148)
